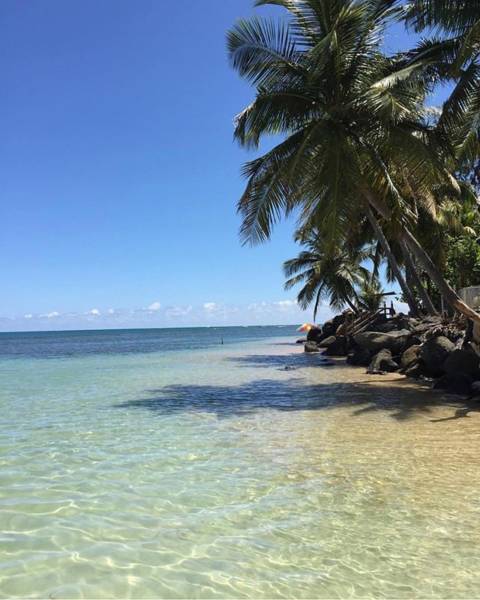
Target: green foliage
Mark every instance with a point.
(370, 296)
(462, 268)
(350, 117)
(356, 132)
(453, 56)
(450, 16)
(326, 273)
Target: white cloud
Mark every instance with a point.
(286, 304)
(210, 306)
(433, 111)
(51, 315)
(258, 307)
(285, 311)
(155, 307)
(178, 311)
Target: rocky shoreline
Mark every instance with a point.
(435, 349)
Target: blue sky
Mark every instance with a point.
(119, 173)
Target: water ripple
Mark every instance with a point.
(252, 483)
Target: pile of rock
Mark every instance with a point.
(430, 348)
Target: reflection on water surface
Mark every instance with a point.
(215, 472)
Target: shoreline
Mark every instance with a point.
(400, 391)
(441, 350)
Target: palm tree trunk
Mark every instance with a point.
(351, 305)
(449, 294)
(417, 282)
(407, 292)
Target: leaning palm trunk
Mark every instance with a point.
(449, 294)
(351, 305)
(417, 282)
(407, 292)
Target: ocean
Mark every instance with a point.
(227, 463)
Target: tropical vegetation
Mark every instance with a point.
(363, 160)
(334, 273)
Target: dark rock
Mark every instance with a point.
(462, 361)
(455, 383)
(301, 341)
(412, 323)
(382, 363)
(415, 370)
(386, 327)
(421, 327)
(327, 341)
(359, 357)
(402, 321)
(410, 356)
(468, 336)
(339, 319)
(314, 334)
(413, 340)
(378, 324)
(434, 353)
(475, 388)
(311, 347)
(329, 328)
(338, 348)
(396, 341)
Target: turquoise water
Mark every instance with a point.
(163, 464)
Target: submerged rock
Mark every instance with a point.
(382, 363)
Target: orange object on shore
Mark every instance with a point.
(306, 327)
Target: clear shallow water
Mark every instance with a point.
(153, 464)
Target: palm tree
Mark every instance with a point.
(352, 123)
(455, 18)
(371, 294)
(452, 55)
(330, 273)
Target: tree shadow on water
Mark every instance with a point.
(288, 396)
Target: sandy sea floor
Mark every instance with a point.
(246, 471)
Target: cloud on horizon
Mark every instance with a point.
(281, 312)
